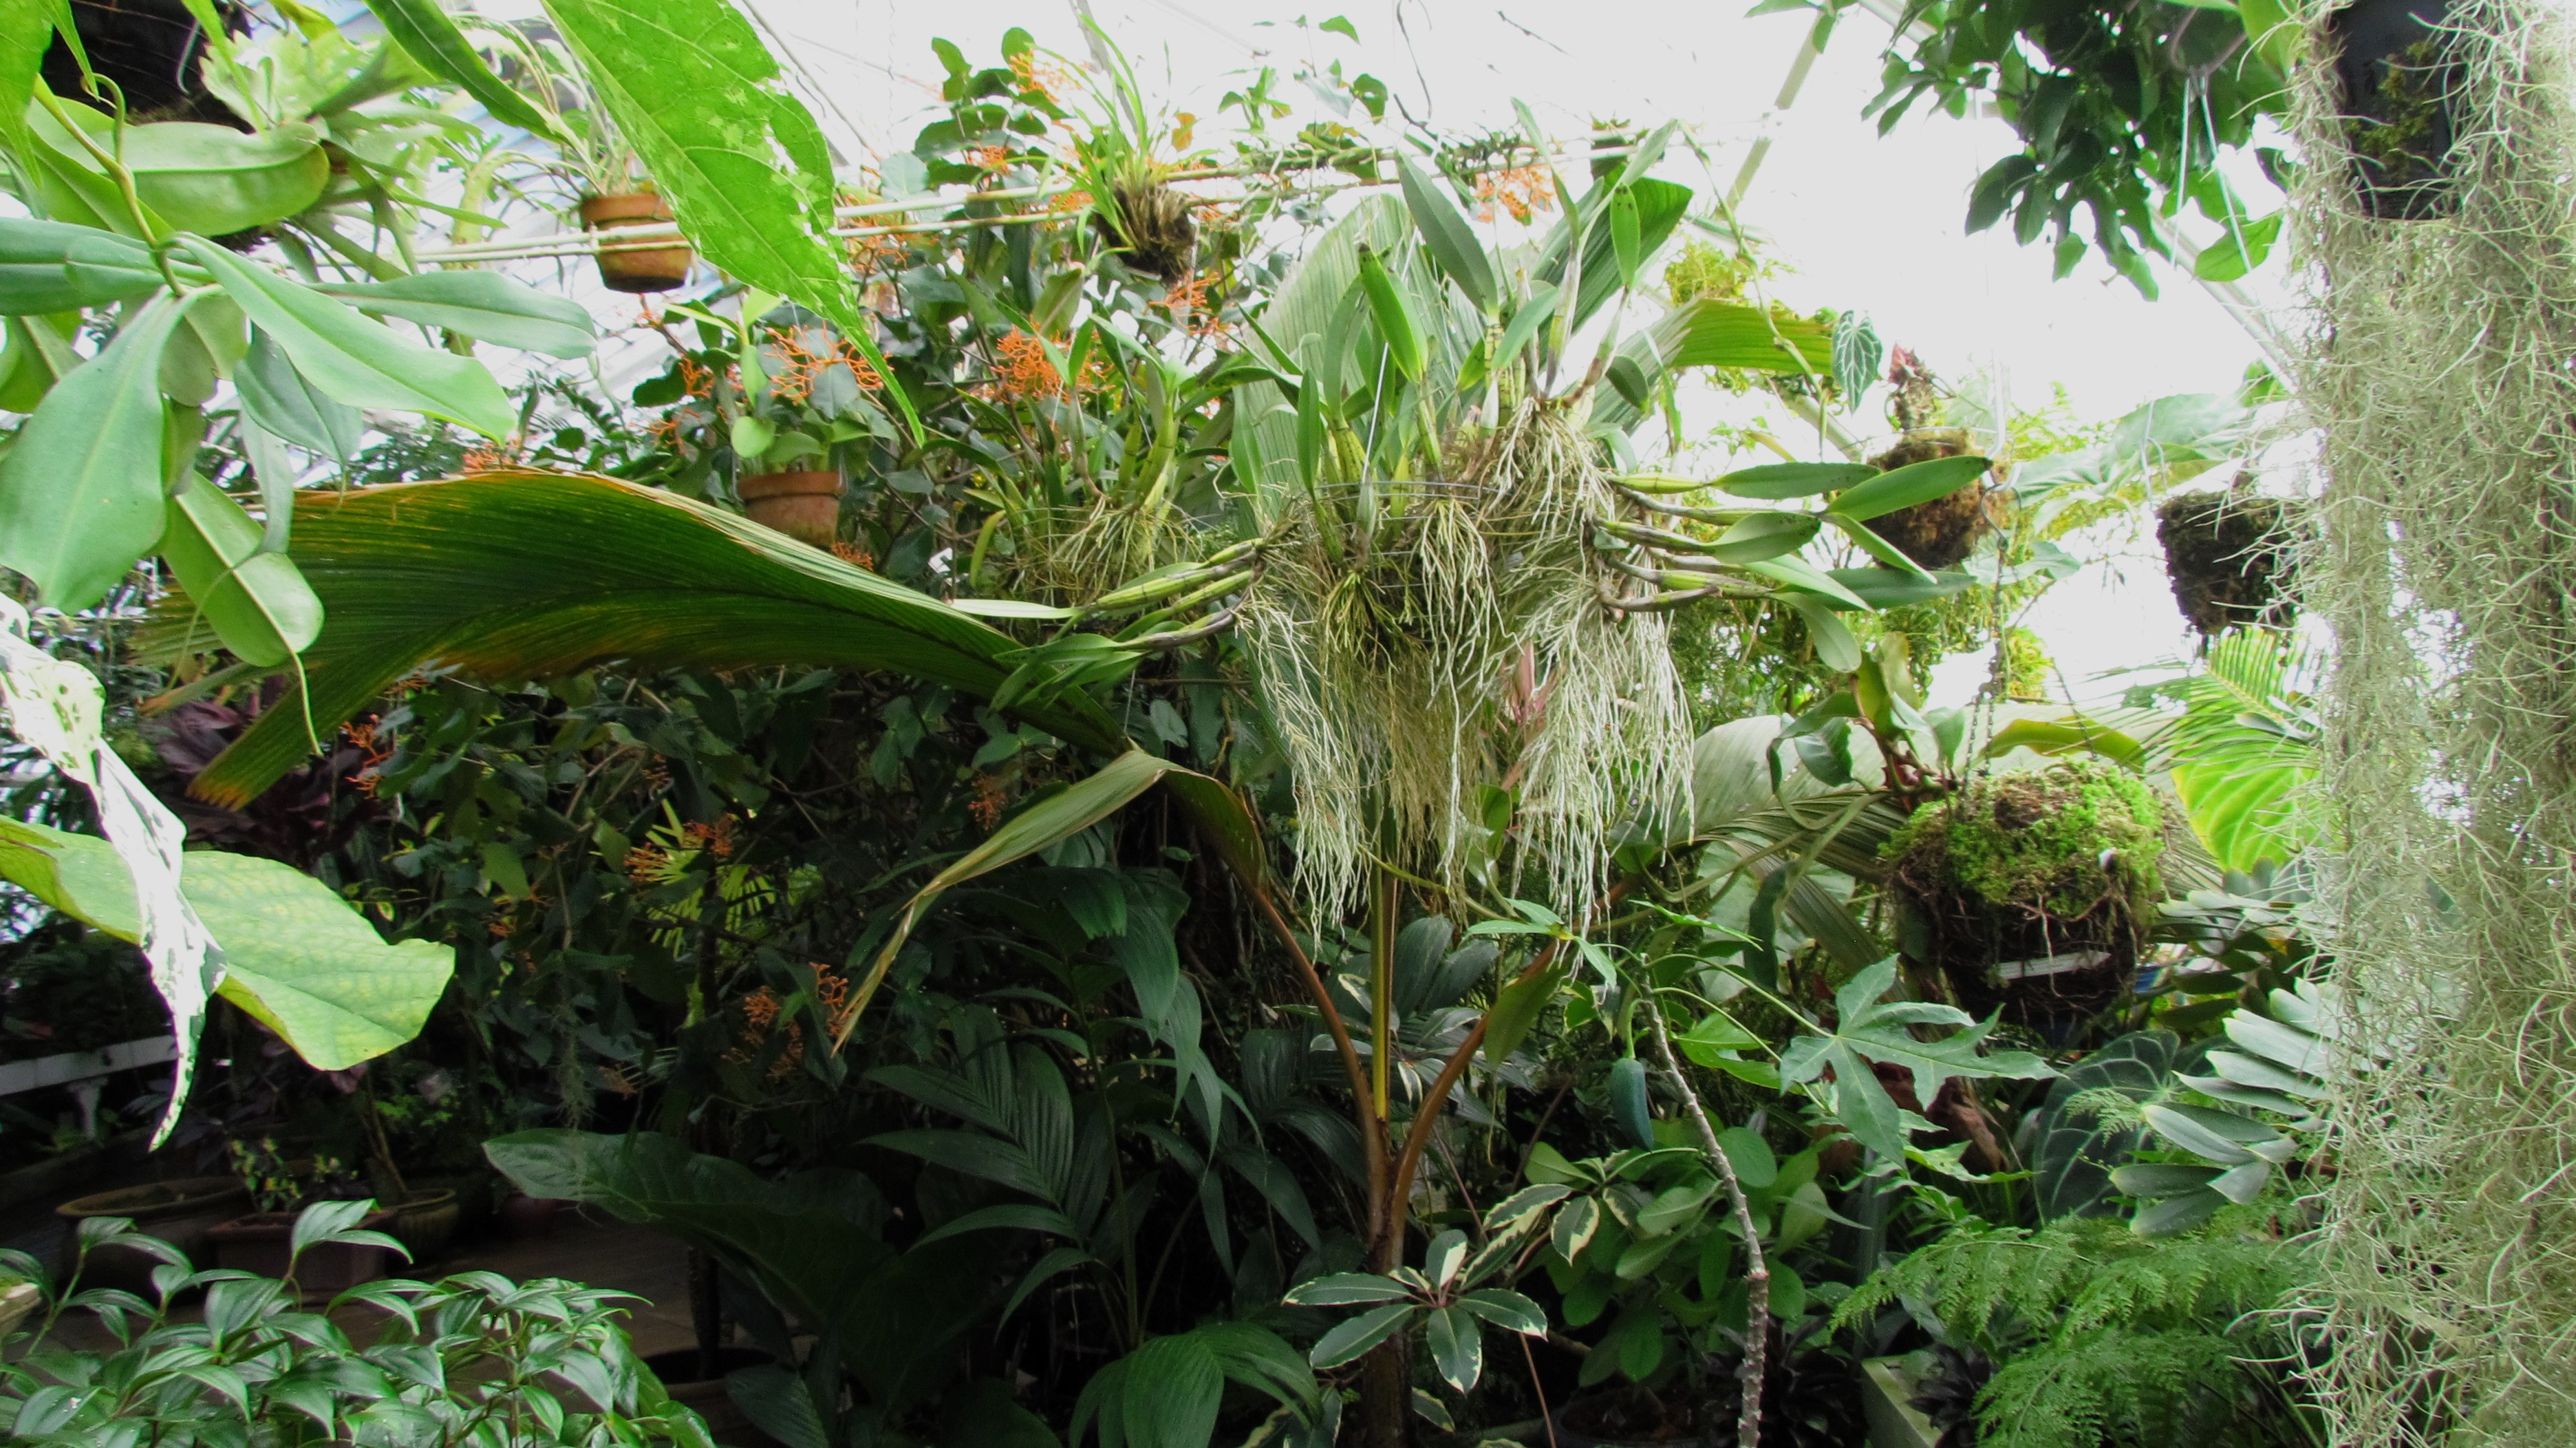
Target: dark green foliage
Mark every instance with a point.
(2104, 1337)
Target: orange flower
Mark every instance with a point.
(804, 364)
(1069, 201)
(871, 254)
(853, 554)
(1520, 191)
(989, 158)
(1049, 81)
(991, 797)
(715, 839)
(645, 863)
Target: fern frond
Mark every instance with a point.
(2113, 1387)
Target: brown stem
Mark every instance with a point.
(1757, 1272)
(1372, 1132)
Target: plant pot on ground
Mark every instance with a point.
(2223, 554)
(179, 1212)
(2031, 892)
(806, 505)
(1942, 532)
(263, 1243)
(426, 1220)
(2395, 83)
(636, 268)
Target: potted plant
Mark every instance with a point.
(264, 1241)
(1943, 532)
(181, 1212)
(2032, 891)
(787, 397)
(593, 159)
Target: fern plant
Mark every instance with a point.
(2106, 1337)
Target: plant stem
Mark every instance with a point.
(1757, 1272)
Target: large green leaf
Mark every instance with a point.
(746, 169)
(1447, 232)
(1712, 333)
(260, 606)
(809, 1244)
(202, 178)
(524, 575)
(51, 266)
(2075, 1156)
(425, 34)
(80, 489)
(351, 359)
(1048, 820)
(486, 306)
(1867, 1029)
(295, 955)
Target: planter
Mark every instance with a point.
(263, 1242)
(642, 268)
(2395, 86)
(17, 1300)
(683, 1376)
(806, 506)
(426, 1221)
(476, 1199)
(2222, 554)
(1887, 1395)
(529, 1219)
(181, 1213)
(1941, 533)
(2031, 891)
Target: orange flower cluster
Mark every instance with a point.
(991, 798)
(853, 554)
(1064, 201)
(760, 1012)
(1520, 191)
(1033, 74)
(1187, 301)
(1022, 373)
(488, 459)
(804, 364)
(656, 776)
(361, 735)
(989, 158)
(716, 839)
(645, 863)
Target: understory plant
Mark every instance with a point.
(470, 1359)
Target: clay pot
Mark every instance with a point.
(263, 1242)
(2395, 84)
(178, 1212)
(529, 1219)
(641, 269)
(426, 1221)
(806, 506)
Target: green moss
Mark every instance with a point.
(2039, 838)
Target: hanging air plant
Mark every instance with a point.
(1134, 208)
(2224, 552)
(2032, 892)
(1940, 533)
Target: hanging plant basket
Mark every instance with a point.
(1940, 533)
(2395, 83)
(806, 506)
(2032, 892)
(1150, 226)
(638, 269)
(2223, 554)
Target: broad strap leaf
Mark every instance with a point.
(520, 574)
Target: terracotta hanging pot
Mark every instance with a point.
(806, 506)
(2395, 79)
(640, 269)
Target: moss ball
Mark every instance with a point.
(2061, 840)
